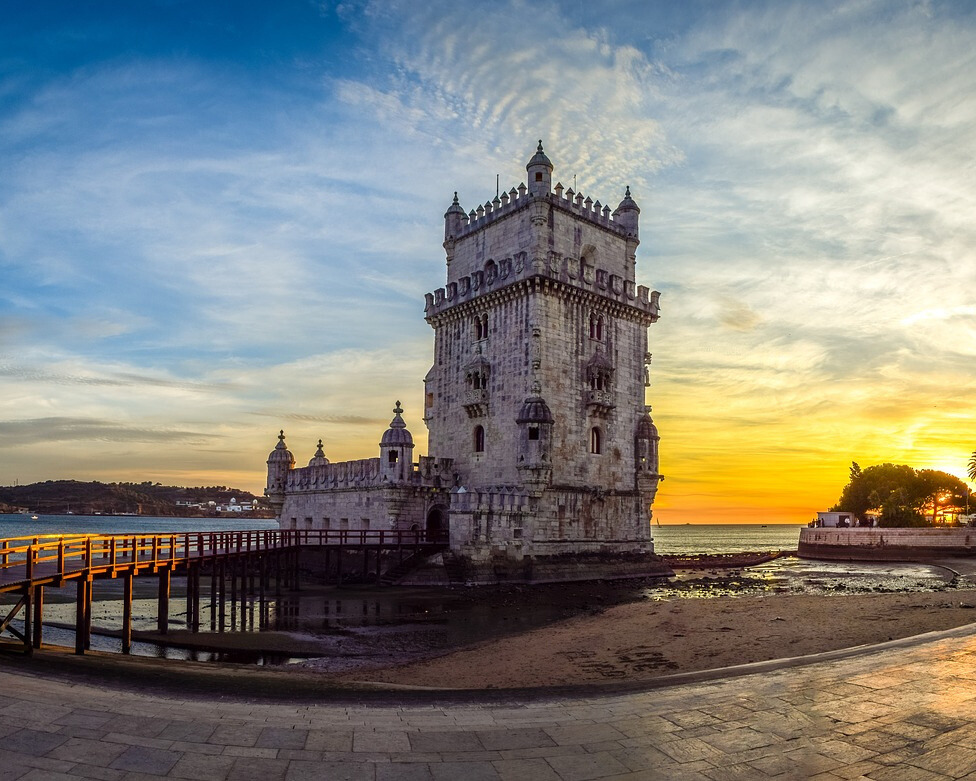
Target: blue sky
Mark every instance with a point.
(219, 219)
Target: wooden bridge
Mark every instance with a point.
(251, 559)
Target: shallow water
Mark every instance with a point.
(352, 622)
(792, 575)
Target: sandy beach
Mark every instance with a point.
(701, 621)
(645, 640)
(631, 642)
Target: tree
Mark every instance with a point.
(972, 466)
(940, 491)
(873, 487)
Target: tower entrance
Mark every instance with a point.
(437, 523)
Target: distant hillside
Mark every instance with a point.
(57, 497)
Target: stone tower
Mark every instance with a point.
(537, 388)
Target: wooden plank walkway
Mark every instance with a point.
(30, 564)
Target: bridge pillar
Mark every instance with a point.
(162, 622)
(127, 612)
(83, 614)
(38, 619)
(193, 598)
(213, 596)
(28, 615)
(222, 596)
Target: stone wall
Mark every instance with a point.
(875, 544)
(368, 507)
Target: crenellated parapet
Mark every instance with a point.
(365, 473)
(502, 274)
(462, 225)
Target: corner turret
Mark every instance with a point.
(319, 458)
(280, 461)
(396, 449)
(627, 215)
(454, 222)
(535, 423)
(539, 169)
(646, 446)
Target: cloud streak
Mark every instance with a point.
(198, 242)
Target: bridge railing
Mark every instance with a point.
(24, 558)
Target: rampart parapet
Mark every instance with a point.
(574, 203)
(576, 272)
(366, 472)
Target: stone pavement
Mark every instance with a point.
(905, 713)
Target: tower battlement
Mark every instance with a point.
(574, 272)
(512, 201)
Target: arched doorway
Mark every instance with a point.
(437, 525)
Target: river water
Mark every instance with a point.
(353, 623)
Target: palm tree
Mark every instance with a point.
(972, 466)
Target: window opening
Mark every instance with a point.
(596, 326)
(479, 439)
(596, 440)
(481, 327)
(393, 457)
(533, 432)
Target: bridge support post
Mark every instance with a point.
(193, 598)
(83, 615)
(162, 622)
(127, 612)
(233, 593)
(28, 616)
(242, 574)
(38, 618)
(213, 596)
(222, 596)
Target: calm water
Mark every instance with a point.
(363, 623)
(23, 526)
(720, 538)
(711, 538)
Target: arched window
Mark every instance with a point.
(596, 326)
(596, 440)
(479, 439)
(481, 327)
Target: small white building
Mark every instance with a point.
(835, 519)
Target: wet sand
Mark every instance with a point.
(632, 642)
(645, 640)
(617, 634)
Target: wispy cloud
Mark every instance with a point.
(196, 243)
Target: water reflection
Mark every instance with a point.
(346, 623)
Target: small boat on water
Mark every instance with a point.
(33, 517)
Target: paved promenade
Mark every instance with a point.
(903, 713)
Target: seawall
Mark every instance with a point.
(874, 544)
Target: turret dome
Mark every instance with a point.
(535, 410)
(646, 428)
(397, 435)
(539, 158)
(319, 458)
(455, 207)
(281, 454)
(628, 204)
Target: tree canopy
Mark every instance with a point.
(903, 496)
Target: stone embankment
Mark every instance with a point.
(874, 544)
